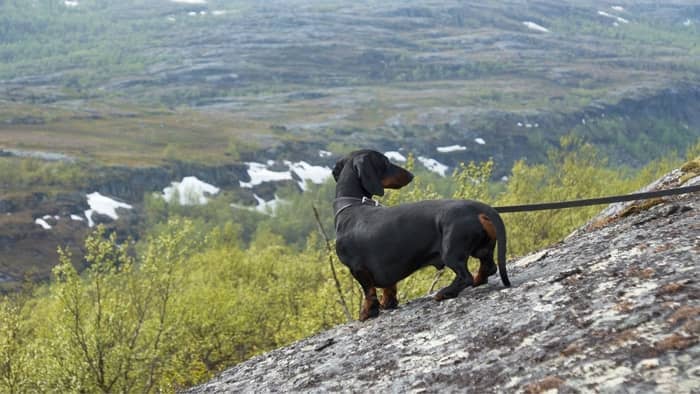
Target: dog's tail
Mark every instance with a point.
(501, 242)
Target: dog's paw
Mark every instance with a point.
(371, 313)
(480, 280)
(388, 303)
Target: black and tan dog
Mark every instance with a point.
(383, 245)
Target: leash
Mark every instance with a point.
(597, 201)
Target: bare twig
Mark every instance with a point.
(330, 260)
(438, 274)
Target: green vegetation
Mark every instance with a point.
(193, 297)
(25, 173)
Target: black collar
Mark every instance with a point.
(339, 206)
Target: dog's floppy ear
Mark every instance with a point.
(371, 181)
(338, 168)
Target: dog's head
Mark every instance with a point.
(374, 170)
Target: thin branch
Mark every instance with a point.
(330, 260)
(438, 274)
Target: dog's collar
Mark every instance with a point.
(362, 201)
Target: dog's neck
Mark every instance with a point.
(349, 185)
(348, 188)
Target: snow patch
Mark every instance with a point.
(259, 173)
(190, 191)
(264, 207)
(451, 148)
(618, 8)
(479, 141)
(687, 23)
(308, 172)
(433, 165)
(535, 26)
(41, 222)
(396, 156)
(103, 205)
(69, 3)
(324, 154)
(219, 12)
(617, 18)
(77, 218)
(268, 207)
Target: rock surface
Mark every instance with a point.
(614, 308)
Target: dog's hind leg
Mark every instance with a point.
(458, 264)
(370, 306)
(487, 267)
(389, 300)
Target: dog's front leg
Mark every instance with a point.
(370, 305)
(389, 300)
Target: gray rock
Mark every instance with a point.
(611, 309)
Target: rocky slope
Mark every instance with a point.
(614, 308)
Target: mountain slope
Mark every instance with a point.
(139, 81)
(615, 307)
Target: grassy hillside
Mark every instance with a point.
(136, 82)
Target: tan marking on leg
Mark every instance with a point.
(388, 299)
(481, 277)
(369, 302)
(488, 226)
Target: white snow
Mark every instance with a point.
(43, 224)
(259, 173)
(191, 191)
(306, 171)
(479, 141)
(171, 18)
(687, 22)
(218, 12)
(618, 8)
(535, 26)
(451, 148)
(396, 156)
(265, 207)
(268, 207)
(433, 165)
(69, 3)
(77, 218)
(103, 205)
(520, 124)
(324, 153)
(607, 15)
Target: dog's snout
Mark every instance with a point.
(397, 177)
